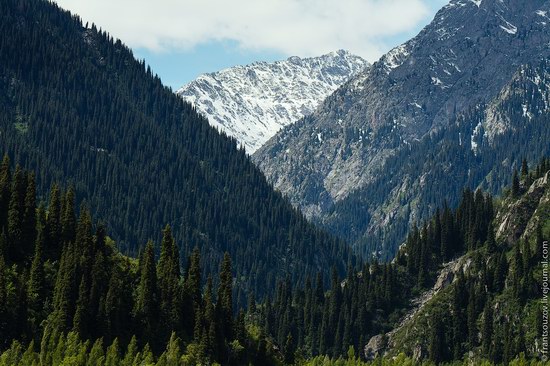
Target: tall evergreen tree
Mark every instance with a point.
(437, 341)
(146, 306)
(487, 331)
(225, 298)
(193, 280)
(472, 317)
(65, 290)
(37, 283)
(515, 184)
(289, 350)
(28, 235)
(490, 244)
(524, 169)
(53, 224)
(15, 216)
(68, 218)
(168, 275)
(5, 190)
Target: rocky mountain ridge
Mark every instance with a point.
(459, 65)
(253, 102)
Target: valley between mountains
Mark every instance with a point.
(310, 211)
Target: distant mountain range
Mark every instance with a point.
(458, 105)
(251, 103)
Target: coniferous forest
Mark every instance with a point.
(133, 233)
(77, 108)
(68, 296)
(66, 290)
(491, 309)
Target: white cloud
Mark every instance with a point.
(291, 27)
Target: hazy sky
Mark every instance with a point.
(182, 38)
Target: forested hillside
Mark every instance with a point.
(67, 292)
(76, 107)
(486, 307)
(67, 296)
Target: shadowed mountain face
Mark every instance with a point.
(456, 67)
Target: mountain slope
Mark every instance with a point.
(75, 106)
(505, 281)
(491, 241)
(457, 65)
(479, 148)
(251, 103)
(65, 288)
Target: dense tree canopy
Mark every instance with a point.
(76, 107)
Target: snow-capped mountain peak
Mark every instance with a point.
(253, 102)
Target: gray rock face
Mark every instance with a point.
(461, 60)
(253, 102)
(514, 221)
(375, 348)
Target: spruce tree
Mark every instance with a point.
(193, 281)
(36, 284)
(53, 224)
(436, 236)
(472, 317)
(538, 242)
(118, 306)
(65, 290)
(459, 330)
(515, 184)
(517, 274)
(28, 235)
(84, 241)
(225, 298)
(490, 244)
(209, 339)
(168, 275)
(97, 356)
(173, 351)
(446, 249)
(437, 341)
(4, 325)
(29, 357)
(5, 190)
(81, 316)
(112, 357)
(131, 353)
(424, 263)
(147, 357)
(146, 306)
(100, 281)
(501, 269)
(15, 216)
(68, 218)
(508, 349)
(529, 286)
(524, 169)
(288, 354)
(487, 331)
(199, 326)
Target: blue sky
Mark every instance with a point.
(181, 39)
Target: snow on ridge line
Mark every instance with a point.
(253, 102)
